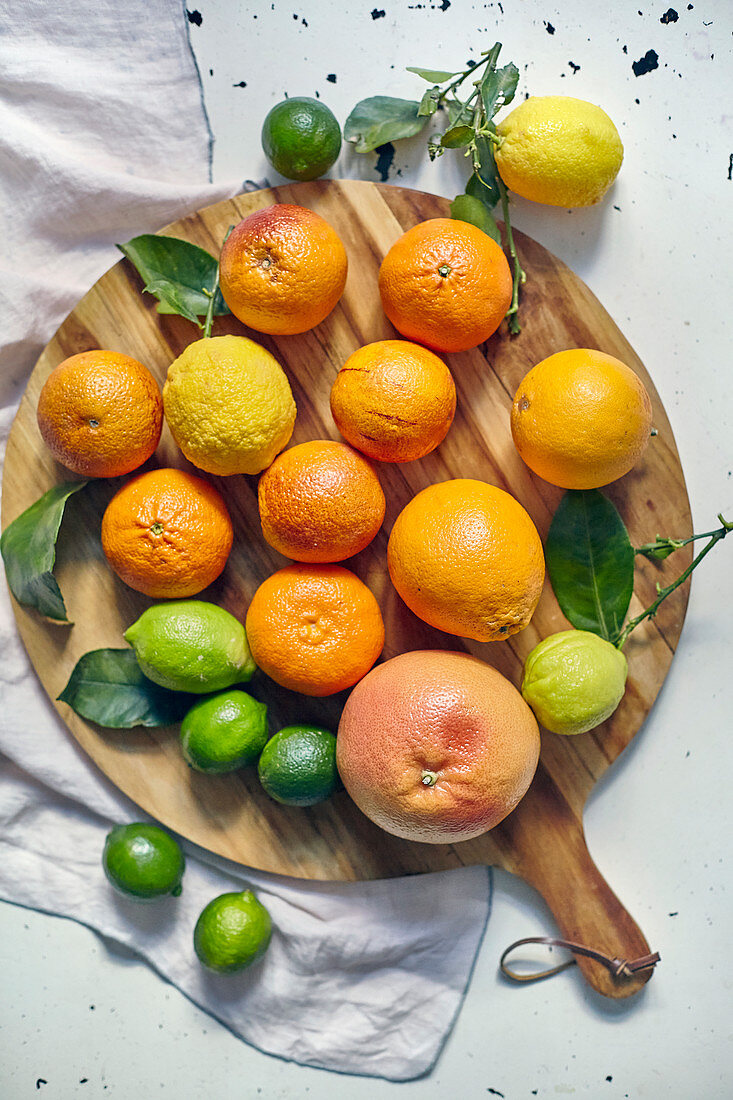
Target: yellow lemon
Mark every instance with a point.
(229, 405)
(559, 151)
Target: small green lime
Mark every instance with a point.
(233, 931)
(191, 645)
(224, 732)
(143, 861)
(573, 681)
(298, 765)
(301, 138)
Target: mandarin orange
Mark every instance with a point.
(445, 284)
(436, 747)
(282, 269)
(167, 533)
(320, 502)
(394, 400)
(316, 629)
(100, 413)
(467, 559)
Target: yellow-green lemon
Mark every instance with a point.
(229, 405)
(559, 151)
(573, 681)
(224, 732)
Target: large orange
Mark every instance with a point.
(316, 629)
(445, 284)
(466, 557)
(580, 419)
(100, 413)
(167, 533)
(436, 747)
(320, 501)
(282, 269)
(394, 400)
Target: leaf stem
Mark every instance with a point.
(519, 276)
(211, 294)
(662, 593)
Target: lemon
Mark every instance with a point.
(224, 732)
(191, 645)
(143, 861)
(228, 405)
(573, 681)
(301, 138)
(233, 931)
(298, 765)
(559, 151)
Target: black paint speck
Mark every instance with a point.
(83, 1080)
(194, 17)
(609, 1077)
(495, 1092)
(378, 14)
(625, 49)
(211, 72)
(676, 912)
(670, 16)
(549, 27)
(730, 167)
(331, 78)
(637, 101)
(92, 1007)
(385, 156)
(445, 5)
(617, 207)
(574, 67)
(645, 64)
(41, 1081)
(241, 84)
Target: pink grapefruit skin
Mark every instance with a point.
(436, 746)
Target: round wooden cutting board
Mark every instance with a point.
(543, 839)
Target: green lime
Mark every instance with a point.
(224, 732)
(573, 681)
(301, 138)
(191, 645)
(232, 932)
(298, 765)
(143, 861)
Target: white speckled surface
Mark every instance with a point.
(657, 254)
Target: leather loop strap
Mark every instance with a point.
(620, 968)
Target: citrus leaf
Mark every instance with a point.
(590, 561)
(107, 687)
(429, 102)
(466, 208)
(457, 137)
(486, 186)
(177, 272)
(380, 119)
(498, 87)
(433, 76)
(28, 547)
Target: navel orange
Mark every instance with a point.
(436, 747)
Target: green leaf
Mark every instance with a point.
(177, 272)
(458, 137)
(590, 561)
(108, 687)
(28, 547)
(433, 76)
(486, 173)
(429, 102)
(466, 208)
(498, 87)
(380, 119)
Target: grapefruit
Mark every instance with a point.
(436, 746)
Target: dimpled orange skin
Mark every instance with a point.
(445, 284)
(320, 502)
(581, 419)
(167, 534)
(467, 559)
(100, 413)
(316, 629)
(394, 400)
(282, 269)
(436, 747)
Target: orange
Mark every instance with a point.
(467, 559)
(581, 419)
(446, 284)
(315, 629)
(282, 269)
(436, 747)
(167, 533)
(394, 400)
(100, 413)
(320, 502)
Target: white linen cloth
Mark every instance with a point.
(103, 135)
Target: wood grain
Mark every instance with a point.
(543, 839)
